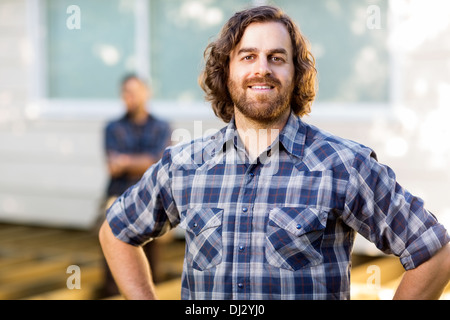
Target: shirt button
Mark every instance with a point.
(241, 248)
(240, 285)
(244, 209)
(195, 225)
(299, 227)
(251, 174)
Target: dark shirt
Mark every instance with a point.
(125, 136)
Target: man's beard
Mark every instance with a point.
(262, 109)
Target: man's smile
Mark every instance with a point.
(261, 87)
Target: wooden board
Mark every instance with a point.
(34, 264)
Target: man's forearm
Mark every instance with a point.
(131, 164)
(428, 280)
(129, 266)
(139, 163)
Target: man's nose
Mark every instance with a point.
(262, 67)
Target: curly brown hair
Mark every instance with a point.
(214, 78)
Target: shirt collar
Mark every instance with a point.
(292, 137)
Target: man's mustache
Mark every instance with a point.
(268, 80)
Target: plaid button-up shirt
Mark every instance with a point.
(281, 227)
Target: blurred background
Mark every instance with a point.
(384, 81)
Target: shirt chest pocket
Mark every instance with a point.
(294, 237)
(203, 237)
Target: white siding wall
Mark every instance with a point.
(51, 172)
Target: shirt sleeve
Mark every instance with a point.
(385, 213)
(110, 141)
(164, 137)
(157, 138)
(146, 210)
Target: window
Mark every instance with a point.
(352, 59)
(89, 62)
(180, 30)
(349, 42)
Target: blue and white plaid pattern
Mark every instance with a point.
(125, 136)
(281, 227)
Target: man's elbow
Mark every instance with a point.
(446, 251)
(442, 261)
(105, 234)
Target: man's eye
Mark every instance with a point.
(248, 58)
(277, 59)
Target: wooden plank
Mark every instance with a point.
(8, 232)
(174, 250)
(376, 279)
(41, 243)
(82, 243)
(13, 291)
(168, 290)
(62, 242)
(47, 278)
(33, 238)
(28, 256)
(30, 271)
(87, 292)
(34, 261)
(389, 267)
(446, 293)
(6, 262)
(91, 278)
